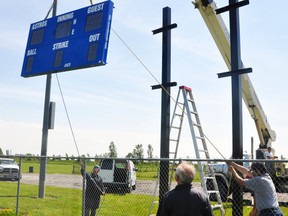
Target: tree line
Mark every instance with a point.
(136, 153)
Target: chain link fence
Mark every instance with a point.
(128, 187)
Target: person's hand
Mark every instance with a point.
(228, 162)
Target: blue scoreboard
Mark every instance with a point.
(70, 41)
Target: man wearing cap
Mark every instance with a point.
(94, 188)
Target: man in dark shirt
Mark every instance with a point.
(185, 200)
(94, 188)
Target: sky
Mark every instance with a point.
(115, 103)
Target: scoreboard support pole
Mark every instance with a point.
(43, 160)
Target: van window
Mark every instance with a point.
(120, 165)
(107, 164)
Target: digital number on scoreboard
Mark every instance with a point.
(74, 40)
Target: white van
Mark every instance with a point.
(118, 175)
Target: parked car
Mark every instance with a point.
(118, 175)
(9, 170)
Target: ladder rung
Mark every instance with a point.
(212, 191)
(175, 127)
(172, 152)
(216, 206)
(202, 150)
(202, 138)
(173, 140)
(198, 125)
(195, 113)
(209, 177)
(179, 115)
(190, 100)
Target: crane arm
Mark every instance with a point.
(221, 37)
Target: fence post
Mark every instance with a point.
(18, 186)
(83, 187)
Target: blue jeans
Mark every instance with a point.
(271, 212)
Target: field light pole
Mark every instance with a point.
(46, 120)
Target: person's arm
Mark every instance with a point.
(241, 169)
(237, 177)
(102, 186)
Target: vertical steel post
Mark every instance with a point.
(165, 98)
(84, 187)
(237, 132)
(165, 106)
(43, 159)
(18, 185)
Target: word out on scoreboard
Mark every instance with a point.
(74, 40)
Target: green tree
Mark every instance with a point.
(130, 155)
(1, 152)
(112, 150)
(138, 152)
(150, 151)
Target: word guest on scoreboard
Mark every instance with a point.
(74, 40)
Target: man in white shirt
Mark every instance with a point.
(269, 154)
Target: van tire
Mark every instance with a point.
(129, 189)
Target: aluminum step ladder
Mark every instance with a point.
(183, 107)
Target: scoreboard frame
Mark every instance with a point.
(70, 41)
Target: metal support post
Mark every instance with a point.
(236, 82)
(43, 160)
(165, 107)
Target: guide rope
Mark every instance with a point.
(146, 68)
(66, 111)
(49, 11)
(154, 77)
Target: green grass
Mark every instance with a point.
(146, 171)
(64, 201)
(57, 166)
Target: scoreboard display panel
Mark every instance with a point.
(74, 40)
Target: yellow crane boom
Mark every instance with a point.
(220, 34)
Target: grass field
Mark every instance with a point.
(146, 171)
(64, 201)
